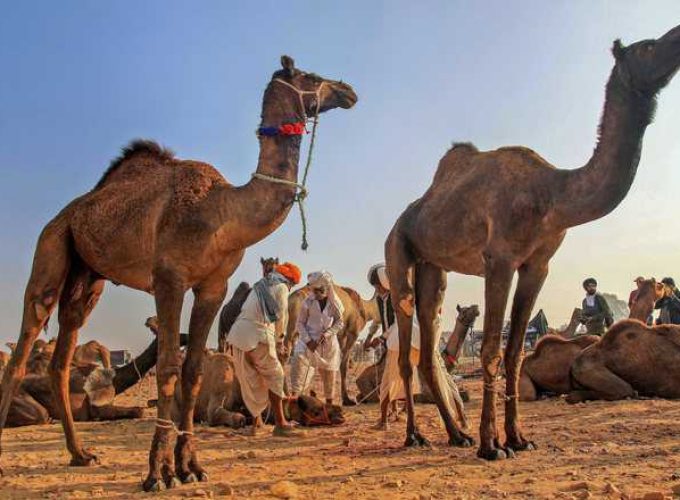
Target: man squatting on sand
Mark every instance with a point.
(252, 343)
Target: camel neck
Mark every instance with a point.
(253, 211)
(598, 187)
(456, 339)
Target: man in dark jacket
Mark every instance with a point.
(669, 304)
(596, 312)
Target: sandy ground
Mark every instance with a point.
(629, 447)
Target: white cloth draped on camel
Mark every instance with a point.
(252, 347)
(321, 326)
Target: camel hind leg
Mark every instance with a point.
(50, 267)
(430, 286)
(589, 372)
(81, 293)
(400, 263)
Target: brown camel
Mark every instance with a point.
(355, 320)
(268, 264)
(546, 370)
(4, 359)
(631, 359)
(91, 392)
(220, 403)
(369, 379)
(649, 292)
(163, 225)
(495, 213)
(464, 322)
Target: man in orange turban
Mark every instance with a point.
(252, 345)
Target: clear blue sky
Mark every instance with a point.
(80, 79)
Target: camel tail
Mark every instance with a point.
(51, 264)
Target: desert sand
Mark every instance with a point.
(625, 449)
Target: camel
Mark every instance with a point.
(92, 352)
(92, 390)
(355, 320)
(626, 362)
(268, 264)
(547, 369)
(369, 379)
(496, 213)
(464, 322)
(649, 292)
(164, 226)
(220, 404)
(4, 359)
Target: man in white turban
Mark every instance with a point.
(319, 322)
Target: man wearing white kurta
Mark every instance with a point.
(252, 343)
(319, 322)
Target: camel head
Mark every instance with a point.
(311, 411)
(649, 292)
(648, 65)
(331, 94)
(467, 315)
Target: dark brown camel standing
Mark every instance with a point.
(497, 213)
(165, 226)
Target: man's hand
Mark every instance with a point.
(312, 345)
(376, 342)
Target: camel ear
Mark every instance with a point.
(458, 307)
(262, 260)
(288, 64)
(618, 49)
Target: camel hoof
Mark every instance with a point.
(173, 482)
(348, 402)
(190, 478)
(523, 446)
(203, 477)
(84, 461)
(462, 442)
(153, 485)
(415, 440)
(492, 455)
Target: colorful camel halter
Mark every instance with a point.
(291, 129)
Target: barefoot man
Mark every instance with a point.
(319, 322)
(252, 343)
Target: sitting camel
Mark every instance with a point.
(92, 390)
(631, 359)
(649, 292)
(219, 401)
(547, 369)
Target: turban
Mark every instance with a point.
(325, 279)
(380, 271)
(289, 271)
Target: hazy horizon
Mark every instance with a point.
(80, 82)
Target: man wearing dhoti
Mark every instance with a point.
(319, 322)
(252, 344)
(392, 385)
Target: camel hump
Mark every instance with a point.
(136, 148)
(463, 148)
(356, 298)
